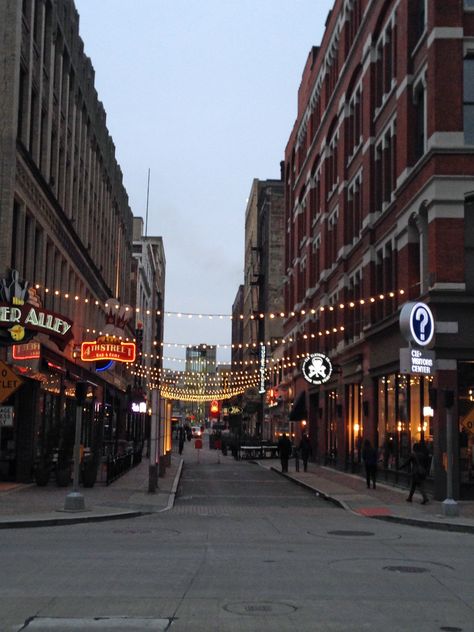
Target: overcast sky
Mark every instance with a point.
(203, 93)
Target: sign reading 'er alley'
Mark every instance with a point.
(22, 315)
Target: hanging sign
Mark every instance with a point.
(118, 351)
(417, 323)
(417, 361)
(9, 381)
(263, 357)
(317, 368)
(22, 316)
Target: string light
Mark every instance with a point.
(258, 315)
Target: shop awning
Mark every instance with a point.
(298, 410)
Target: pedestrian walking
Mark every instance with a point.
(284, 450)
(305, 450)
(369, 456)
(181, 439)
(418, 461)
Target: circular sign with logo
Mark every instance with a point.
(417, 323)
(317, 368)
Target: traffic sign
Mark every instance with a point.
(417, 323)
(9, 381)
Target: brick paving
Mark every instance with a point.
(129, 494)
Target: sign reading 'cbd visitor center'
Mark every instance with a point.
(417, 326)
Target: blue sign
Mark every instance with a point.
(417, 323)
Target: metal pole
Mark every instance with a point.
(153, 467)
(75, 500)
(449, 505)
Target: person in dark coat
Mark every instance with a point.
(284, 450)
(369, 456)
(181, 439)
(418, 461)
(305, 450)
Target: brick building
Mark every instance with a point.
(262, 290)
(379, 211)
(66, 228)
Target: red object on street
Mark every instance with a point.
(218, 444)
(198, 444)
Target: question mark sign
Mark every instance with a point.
(422, 316)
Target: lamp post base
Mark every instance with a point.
(74, 502)
(450, 508)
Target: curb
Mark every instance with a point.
(413, 522)
(57, 522)
(174, 488)
(319, 492)
(427, 524)
(76, 519)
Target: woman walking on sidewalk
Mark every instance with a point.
(419, 463)
(369, 456)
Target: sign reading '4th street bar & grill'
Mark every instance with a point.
(108, 350)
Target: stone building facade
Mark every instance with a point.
(379, 211)
(66, 225)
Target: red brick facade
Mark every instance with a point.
(378, 178)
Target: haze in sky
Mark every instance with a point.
(204, 94)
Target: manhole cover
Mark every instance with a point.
(256, 609)
(406, 569)
(350, 533)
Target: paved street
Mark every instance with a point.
(242, 549)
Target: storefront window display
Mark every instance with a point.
(466, 422)
(404, 417)
(354, 425)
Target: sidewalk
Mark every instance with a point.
(127, 497)
(384, 503)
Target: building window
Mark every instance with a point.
(385, 167)
(353, 223)
(420, 19)
(315, 261)
(331, 244)
(419, 101)
(385, 66)
(469, 100)
(354, 124)
(401, 400)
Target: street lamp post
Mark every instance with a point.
(449, 505)
(74, 501)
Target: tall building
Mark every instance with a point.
(263, 288)
(148, 287)
(379, 200)
(237, 335)
(201, 370)
(66, 235)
